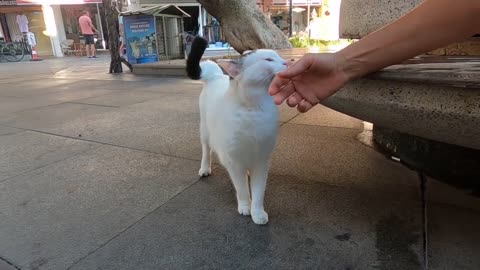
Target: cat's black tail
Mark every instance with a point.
(199, 46)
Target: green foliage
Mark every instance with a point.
(305, 42)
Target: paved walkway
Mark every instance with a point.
(99, 171)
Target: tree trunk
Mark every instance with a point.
(245, 26)
(111, 17)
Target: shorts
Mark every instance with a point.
(89, 39)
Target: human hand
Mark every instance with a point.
(308, 81)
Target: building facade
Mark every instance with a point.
(57, 21)
(317, 19)
(199, 23)
(51, 23)
(16, 19)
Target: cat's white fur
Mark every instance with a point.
(239, 122)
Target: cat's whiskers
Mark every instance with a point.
(267, 79)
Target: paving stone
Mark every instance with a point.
(323, 116)
(8, 130)
(47, 118)
(184, 87)
(335, 156)
(287, 113)
(6, 266)
(34, 87)
(25, 151)
(441, 193)
(53, 216)
(311, 225)
(15, 104)
(454, 238)
(123, 98)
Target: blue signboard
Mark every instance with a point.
(140, 39)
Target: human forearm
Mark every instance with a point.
(433, 24)
(93, 27)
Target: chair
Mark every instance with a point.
(67, 46)
(79, 48)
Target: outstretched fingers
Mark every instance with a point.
(297, 67)
(281, 89)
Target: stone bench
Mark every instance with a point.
(162, 68)
(425, 111)
(433, 98)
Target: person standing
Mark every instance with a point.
(88, 30)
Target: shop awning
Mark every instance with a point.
(157, 10)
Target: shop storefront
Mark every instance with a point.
(279, 13)
(51, 24)
(154, 33)
(317, 19)
(199, 23)
(191, 7)
(18, 20)
(70, 15)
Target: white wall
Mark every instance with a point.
(54, 27)
(57, 12)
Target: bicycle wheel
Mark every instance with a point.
(13, 52)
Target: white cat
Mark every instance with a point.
(239, 120)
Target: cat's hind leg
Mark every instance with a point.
(206, 163)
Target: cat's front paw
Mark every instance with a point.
(244, 209)
(204, 172)
(259, 217)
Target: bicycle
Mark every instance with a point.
(12, 51)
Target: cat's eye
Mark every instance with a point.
(269, 59)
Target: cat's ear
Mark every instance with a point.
(232, 67)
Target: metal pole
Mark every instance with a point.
(182, 38)
(101, 27)
(156, 37)
(165, 37)
(200, 21)
(291, 18)
(308, 18)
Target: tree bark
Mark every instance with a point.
(111, 17)
(245, 26)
